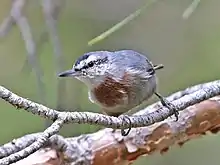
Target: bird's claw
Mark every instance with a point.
(168, 105)
(171, 107)
(123, 132)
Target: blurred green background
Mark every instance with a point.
(189, 49)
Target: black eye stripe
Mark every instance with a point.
(97, 62)
(91, 63)
(85, 67)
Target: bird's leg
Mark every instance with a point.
(123, 117)
(168, 104)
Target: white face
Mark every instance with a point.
(92, 67)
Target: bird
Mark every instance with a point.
(117, 81)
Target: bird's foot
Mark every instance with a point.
(168, 105)
(124, 118)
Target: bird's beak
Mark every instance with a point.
(69, 73)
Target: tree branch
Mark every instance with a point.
(16, 17)
(148, 116)
(139, 119)
(40, 141)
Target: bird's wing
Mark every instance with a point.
(140, 72)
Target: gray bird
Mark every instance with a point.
(117, 81)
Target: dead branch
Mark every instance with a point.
(18, 18)
(51, 10)
(110, 148)
(196, 119)
(39, 142)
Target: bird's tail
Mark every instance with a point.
(159, 66)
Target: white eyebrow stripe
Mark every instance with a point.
(80, 65)
(91, 58)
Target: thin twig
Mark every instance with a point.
(189, 11)
(16, 17)
(122, 23)
(17, 144)
(51, 10)
(41, 140)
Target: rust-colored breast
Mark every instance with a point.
(111, 93)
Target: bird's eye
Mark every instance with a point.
(90, 64)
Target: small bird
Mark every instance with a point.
(117, 81)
